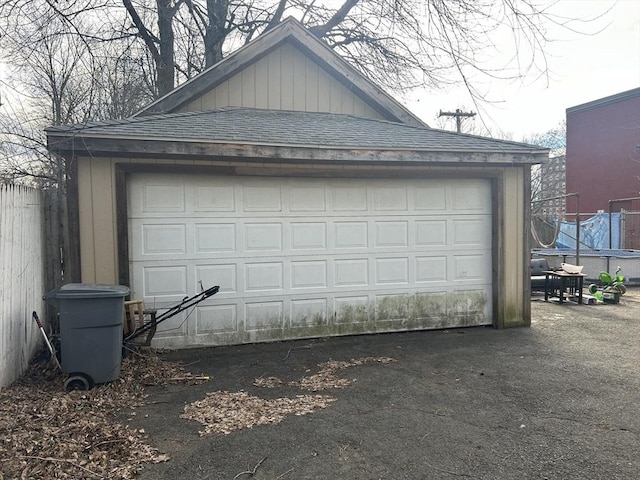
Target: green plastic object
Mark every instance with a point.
(606, 278)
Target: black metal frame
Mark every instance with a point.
(187, 302)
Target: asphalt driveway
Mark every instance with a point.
(558, 400)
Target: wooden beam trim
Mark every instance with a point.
(265, 171)
(526, 307)
(293, 154)
(497, 250)
(73, 266)
(122, 225)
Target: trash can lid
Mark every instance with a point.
(89, 290)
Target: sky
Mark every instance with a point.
(601, 58)
(582, 68)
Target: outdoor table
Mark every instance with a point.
(573, 281)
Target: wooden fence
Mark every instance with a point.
(22, 277)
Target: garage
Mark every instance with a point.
(300, 257)
(316, 201)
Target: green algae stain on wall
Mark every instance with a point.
(428, 305)
(352, 313)
(393, 307)
(467, 308)
(420, 311)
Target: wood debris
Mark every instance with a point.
(46, 433)
(268, 382)
(326, 378)
(224, 412)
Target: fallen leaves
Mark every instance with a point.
(224, 412)
(326, 378)
(268, 382)
(46, 433)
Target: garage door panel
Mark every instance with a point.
(214, 198)
(162, 197)
(470, 232)
(349, 198)
(308, 235)
(470, 267)
(263, 276)
(164, 239)
(428, 306)
(215, 238)
(350, 235)
(430, 198)
(392, 307)
(351, 272)
(391, 234)
(158, 238)
(351, 309)
(165, 281)
(470, 196)
(307, 198)
(386, 199)
(430, 269)
(262, 198)
(263, 315)
(308, 312)
(309, 274)
(392, 271)
(431, 233)
(263, 236)
(223, 275)
(467, 307)
(176, 327)
(217, 319)
(305, 257)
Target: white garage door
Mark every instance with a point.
(309, 257)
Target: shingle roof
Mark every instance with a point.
(289, 128)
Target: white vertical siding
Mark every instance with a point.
(285, 79)
(21, 277)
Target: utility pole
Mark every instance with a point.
(459, 114)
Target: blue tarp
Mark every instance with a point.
(594, 232)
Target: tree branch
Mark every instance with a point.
(150, 40)
(338, 17)
(277, 16)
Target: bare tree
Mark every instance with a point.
(58, 77)
(548, 185)
(554, 139)
(400, 44)
(548, 180)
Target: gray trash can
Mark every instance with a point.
(90, 324)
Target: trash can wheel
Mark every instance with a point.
(77, 381)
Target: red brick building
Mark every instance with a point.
(603, 152)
